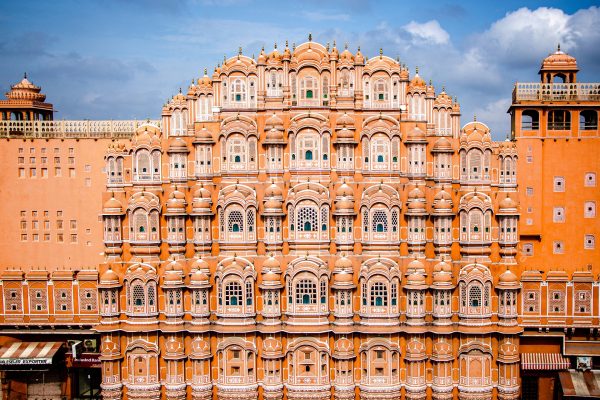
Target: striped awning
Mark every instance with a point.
(580, 384)
(29, 353)
(544, 361)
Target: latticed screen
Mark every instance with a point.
(235, 222)
(88, 299)
(379, 295)
(307, 219)
(233, 294)
(380, 221)
(137, 295)
(306, 292)
(62, 299)
(475, 296)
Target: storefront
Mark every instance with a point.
(33, 370)
(83, 363)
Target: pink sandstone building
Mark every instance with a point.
(309, 224)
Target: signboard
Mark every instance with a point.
(86, 360)
(25, 361)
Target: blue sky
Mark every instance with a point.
(111, 59)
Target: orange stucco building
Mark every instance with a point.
(307, 224)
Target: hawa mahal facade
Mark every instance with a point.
(309, 224)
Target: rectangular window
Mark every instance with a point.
(34, 224)
(529, 191)
(558, 214)
(57, 172)
(23, 213)
(21, 172)
(43, 150)
(71, 172)
(590, 179)
(23, 237)
(32, 160)
(44, 172)
(35, 237)
(529, 221)
(46, 237)
(88, 168)
(589, 242)
(59, 224)
(88, 182)
(559, 184)
(23, 224)
(46, 224)
(32, 172)
(73, 238)
(32, 150)
(71, 160)
(44, 160)
(56, 150)
(59, 237)
(56, 160)
(73, 224)
(21, 160)
(589, 209)
(71, 150)
(558, 247)
(528, 249)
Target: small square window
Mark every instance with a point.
(528, 249)
(558, 214)
(590, 179)
(589, 242)
(589, 209)
(529, 191)
(558, 247)
(529, 221)
(559, 184)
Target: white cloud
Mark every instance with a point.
(427, 32)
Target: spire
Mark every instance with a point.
(310, 37)
(417, 70)
(205, 72)
(25, 73)
(558, 47)
(380, 52)
(474, 117)
(275, 46)
(240, 51)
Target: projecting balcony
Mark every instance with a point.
(526, 91)
(71, 129)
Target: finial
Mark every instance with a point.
(430, 82)
(224, 59)
(417, 70)
(240, 51)
(25, 74)
(380, 51)
(286, 43)
(558, 48)
(310, 37)
(179, 90)
(205, 71)
(444, 88)
(358, 48)
(253, 56)
(275, 46)
(263, 48)
(294, 46)
(474, 117)
(327, 47)
(398, 59)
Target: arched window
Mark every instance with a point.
(588, 120)
(381, 90)
(238, 91)
(475, 297)
(307, 219)
(178, 122)
(475, 159)
(233, 294)
(530, 120)
(379, 295)
(559, 120)
(309, 90)
(380, 153)
(306, 292)
(346, 83)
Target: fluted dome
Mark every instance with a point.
(198, 278)
(25, 90)
(203, 136)
(507, 203)
(442, 266)
(178, 145)
(174, 266)
(172, 278)
(559, 60)
(272, 263)
(112, 206)
(342, 277)
(109, 277)
(344, 190)
(416, 194)
(343, 346)
(176, 202)
(416, 135)
(508, 277)
(442, 201)
(415, 265)
(199, 264)
(442, 278)
(271, 277)
(442, 145)
(415, 279)
(273, 191)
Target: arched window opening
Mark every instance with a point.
(588, 120)
(559, 120)
(530, 120)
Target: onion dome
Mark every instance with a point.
(199, 265)
(442, 202)
(273, 201)
(109, 279)
(343, 348)
(287, 54)
(176, 203)
(274, 130)
(273, 205)
(508, 280)
(199, 280)
(416, 135)
(271, 278)
(203, 136)
(177, 145)
(415, 281)
(343, 263)
(559, 61)
(272, 264)
(172, 278)
(404, 74)
(442, 145)
(507, 206)
(416, 201)
(359, 59)
(344, 191)
(344, 205)
(112, 207)
(415, 265)
(201, 202)
(274, 56)
(25, 90)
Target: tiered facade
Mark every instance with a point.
(312, 224)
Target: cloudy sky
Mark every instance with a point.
(121, 59)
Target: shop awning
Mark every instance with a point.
(544, 361)
(580, 384)
(29, 353)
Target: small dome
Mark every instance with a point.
(113, 203)
(109, 276)
(25, 90)
(508, 277)
(344, 191)
(416, 194)
(343, 277)
(345, 120)
(507, 203)
(178, 145)
(442, 278)
(274, 135)
(199, 277)
(273, 204)
(442, 266)
(262, 56)
(347, 56)
(416, 265)
(416, 205)
(273, 191)
(274, 121)
(174, 266)
(202, 193)
(415, 278)
(343, 263)
(417, 81)
(204, 135)
(271, 277)
(442, 145)
(199, 264)
(344, 204)
(359, 58)
(176, 200)
(559, 60)
(172, 277)
(416, 134)
(272, 263)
